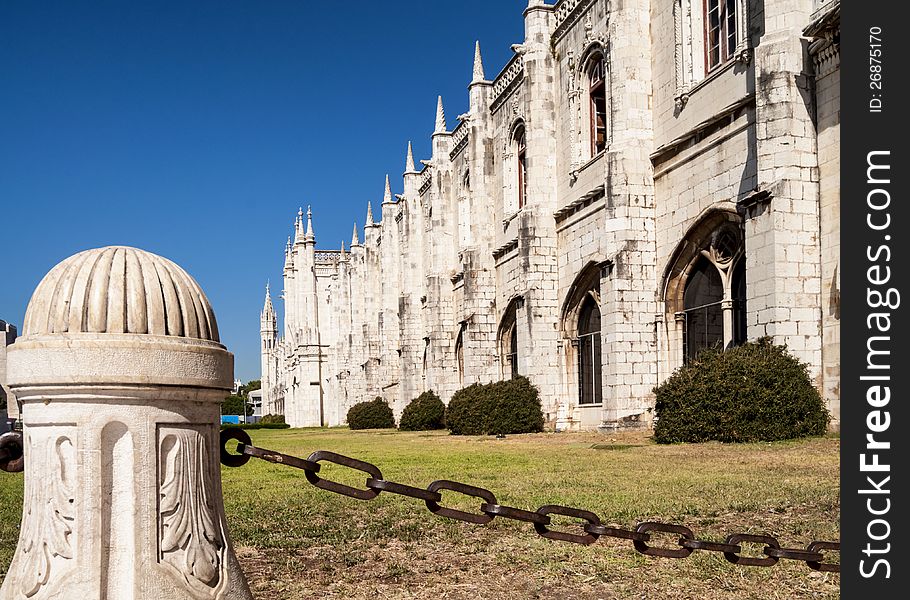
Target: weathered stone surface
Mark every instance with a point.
(120, 376)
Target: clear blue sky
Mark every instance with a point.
(194, 129)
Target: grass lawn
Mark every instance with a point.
(295, 541)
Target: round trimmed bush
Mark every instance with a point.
(754, 392)
(268, 419)
(425, 412)
(375, 414)
(503, 407)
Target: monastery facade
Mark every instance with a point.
(641, 180)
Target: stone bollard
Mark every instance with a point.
(120, 373)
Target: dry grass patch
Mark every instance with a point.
(295, 541)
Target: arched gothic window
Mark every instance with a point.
(519, 140)
(508, 340)
(464, 211)
(589, 353)
(513, 351)
(459, 356)
(597, 95)
(714, 299)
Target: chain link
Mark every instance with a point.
(11, 455)
(489, 509)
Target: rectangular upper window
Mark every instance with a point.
(720, 32)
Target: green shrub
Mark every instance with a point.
(754, 392)
(424, 413)
(371, 415)
(510, 406)
(259, 425)
(272, 419)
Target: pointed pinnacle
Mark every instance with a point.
(369, 214)
(387, 195)
(478, 64)
(440, 117)
(267, 305)
(309, 224)
(409, 161)
(355, 240)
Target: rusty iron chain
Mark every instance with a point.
(592, 529)
(11, 455)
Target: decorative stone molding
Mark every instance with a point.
(460, 137)
(703, 130)
(426, 178)
(825, 33)
(507, 81)
(505, 248)
(188, 536)
(327, 256)
(48, 512)
(568, 13)
(579, 204)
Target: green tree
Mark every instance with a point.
(250, 386)
(236, 405)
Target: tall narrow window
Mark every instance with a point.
(459, 356)
(598, 109)
(521, 153)
(508, 340)
(720, 32)
(512, 356)
(589, 353)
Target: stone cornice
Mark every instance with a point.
(507, 81)
(579, 204)
(505, 248)
(459, 138)
(825, 31)
(426, 178)
(701, 131)
(568, 13)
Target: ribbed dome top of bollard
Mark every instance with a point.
(119, 289)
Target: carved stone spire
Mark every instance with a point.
(440, 117)
(298, 226)
(355, 239)
(369, 214)
(478, 65)
(268, 310)
(287, 253)
(409, 161)
(310, 236)
(387, 194)
(344, 254)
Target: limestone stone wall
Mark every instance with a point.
(738, 164)
(825, 52)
